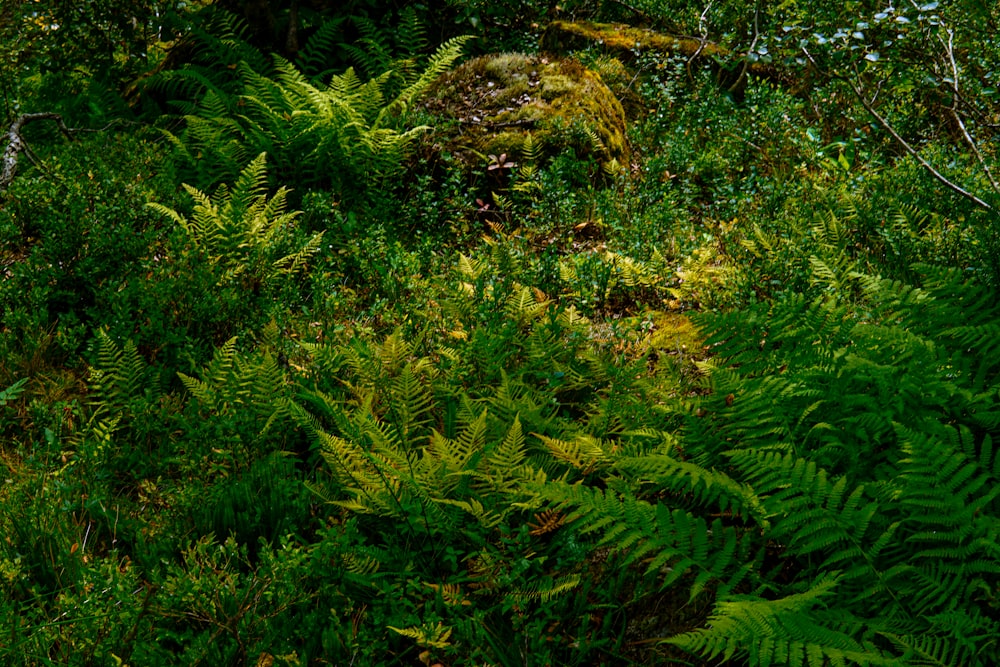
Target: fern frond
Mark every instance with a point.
(709, 488)
(375, 57)
(431, 636)
(672, 543)
(411, 34)
(457, 453)
(585, 453)
(119, 377)
(932, 651)
(296, 262)
(248, 189)
(218, 373)
(438, 64)
(525, 304)
(543, 592)
(314, 55)
(511, 451)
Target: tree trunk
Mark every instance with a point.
(15, 144)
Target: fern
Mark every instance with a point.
(780, 632)
(349, 133)
(384, 48)
(252, 386)
(547, 590)
(120, 376)
(392, 465)
(584, 453)
(372, 52)
(242, 231)
(431, 636)
(671, 543)
(411, 34)
(863, 429)
(707, 488)
(314, 56)
(215, 49)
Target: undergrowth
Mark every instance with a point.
(274, 391)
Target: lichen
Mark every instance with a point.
(488, 106)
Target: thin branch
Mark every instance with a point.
(753, 45)
(912, 151)
(887, 126)
(949, 49)
(702, 40)
(634, 10)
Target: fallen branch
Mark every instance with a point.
(16, 144)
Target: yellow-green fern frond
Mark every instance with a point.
(525, 304)
(428, 636)
(439, 63)
(545, 591)
(456, 453)
(585, 453)
(240, 229)
(470, 268)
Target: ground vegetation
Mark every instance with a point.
(696, 363)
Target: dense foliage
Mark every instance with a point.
(284, 381)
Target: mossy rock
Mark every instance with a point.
(490, 106)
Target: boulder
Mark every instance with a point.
(492, 104)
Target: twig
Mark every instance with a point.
(753, 45)
(127, 642)
(492, 124)
(634, 10)
(912, 151)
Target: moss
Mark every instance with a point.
(488, 106)
(557, 85)
(674, 332)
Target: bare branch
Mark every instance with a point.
(912, 151)
(750, 49)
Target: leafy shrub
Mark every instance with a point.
(76, 233)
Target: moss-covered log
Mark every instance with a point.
(625, 42)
